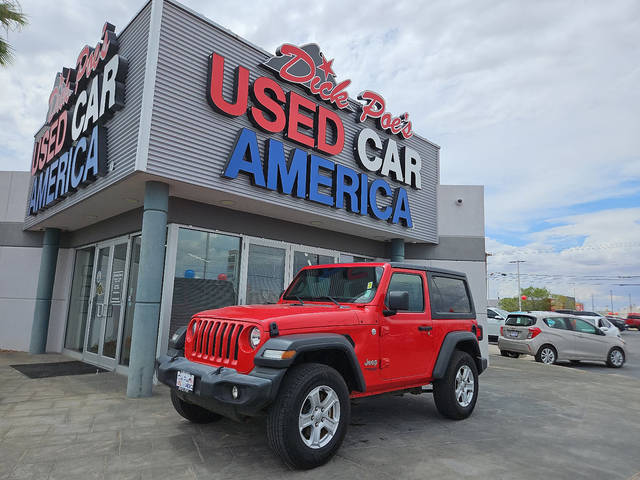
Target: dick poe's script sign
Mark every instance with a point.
(318, 128)
(70, 149)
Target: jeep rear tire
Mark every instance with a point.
(192, 412)
(456, 393)
(308, 421)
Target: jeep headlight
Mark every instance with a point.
(254, 337)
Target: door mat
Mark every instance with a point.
(57, 369)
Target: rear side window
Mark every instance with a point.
(635, 317)
(449, 295)
(558, 323)
(407, 282)
(520, 321)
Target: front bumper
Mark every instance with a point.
(212, 386)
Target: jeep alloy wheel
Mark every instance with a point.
(308, 421)
(319, 417)
(465, 386)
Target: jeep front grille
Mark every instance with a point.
(216, 340)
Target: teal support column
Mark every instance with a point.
(47, 276)
(146, 315)
(397, 250)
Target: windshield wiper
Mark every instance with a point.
(330, 298)
(300, 300)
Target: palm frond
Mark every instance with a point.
(11, 15)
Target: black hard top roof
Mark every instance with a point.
(427, 269)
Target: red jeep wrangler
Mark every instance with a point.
(338, 332)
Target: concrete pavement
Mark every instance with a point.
(531, 421)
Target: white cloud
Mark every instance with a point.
(605, 256)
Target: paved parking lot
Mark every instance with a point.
(532, 421)
(632, 363)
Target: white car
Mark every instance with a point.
(602, 323)
(495, 319)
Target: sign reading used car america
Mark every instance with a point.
(384, 166)
(69, 151)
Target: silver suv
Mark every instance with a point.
(551, 336)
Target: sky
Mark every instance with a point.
(537, 101)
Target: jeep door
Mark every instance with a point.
(407, 348)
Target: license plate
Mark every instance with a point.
(184, 381)
(513, 333)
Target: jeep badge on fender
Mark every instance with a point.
(301, 360)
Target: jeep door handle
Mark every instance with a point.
(425, 328)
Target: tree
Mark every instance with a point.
(508, 304)
(537, 299)
(11, 17)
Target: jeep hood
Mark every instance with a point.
(287, 316)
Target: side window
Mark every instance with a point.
(407, 282)
(557, 323)
(449, 295)
(584, 327)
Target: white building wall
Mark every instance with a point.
(19, 267)
(19, 270)
(461, 214)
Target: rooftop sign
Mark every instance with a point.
(319, 131)
(69, 151)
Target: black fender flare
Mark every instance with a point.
(451, 342)
(311, 342)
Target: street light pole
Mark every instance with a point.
(518, 262)
(611, 298)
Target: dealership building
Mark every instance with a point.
(182, 168)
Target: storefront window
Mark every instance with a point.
(304, 259)
(79, 301)
(345, 258)
(265, 274)
(132, 285)
(207, 274)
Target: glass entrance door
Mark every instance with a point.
(265, 266)
(102, 342)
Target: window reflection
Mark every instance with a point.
(207, 273)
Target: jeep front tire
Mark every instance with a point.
(308, 421)
(456, 393)
(192, 412)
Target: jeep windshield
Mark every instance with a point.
(335, 284)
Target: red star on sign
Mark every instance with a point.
(326, 67)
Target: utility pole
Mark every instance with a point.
(518, 262)
(611, 298)
(630, 309)
(593, 308)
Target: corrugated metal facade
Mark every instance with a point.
(190, 142)
(122, 129)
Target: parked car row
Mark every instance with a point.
(553, 336)
(633, 320)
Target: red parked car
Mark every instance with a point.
(633, 320)
(338, 332)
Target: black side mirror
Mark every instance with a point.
(398, 301)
